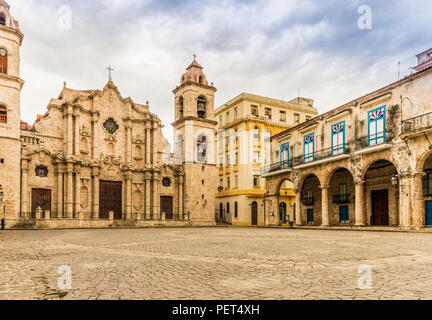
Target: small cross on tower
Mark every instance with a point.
(195, 56)
(110, 74)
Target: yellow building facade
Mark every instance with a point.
(245, 125)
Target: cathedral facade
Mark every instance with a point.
(96, 159)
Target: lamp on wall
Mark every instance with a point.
(395, 180)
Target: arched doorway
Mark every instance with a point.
(283, 212)
(311, 200)
(427, 191)
(341, 198)
(254, 213)
(286, 201)
(382, 195)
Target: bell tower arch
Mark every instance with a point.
(195, 124)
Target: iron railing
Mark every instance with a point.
(320, 155)
(308, 200)
(418, 123)
(341, 198)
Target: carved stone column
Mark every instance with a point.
(128, 143)
(418, 207)
(156, 197)
(77, 134)
(77, 192)
(128, 176)
(69, 131)
(359, 204)
(154, 144)
(405, 210)
(298, 208)
(325, 206)
(181, 198)
(95, 175)
(95, 150)
(69, 193)
(148, 144)
(60, 185)
(147, 213)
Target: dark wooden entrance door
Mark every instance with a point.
(41, 198)
(380, 208)
(110, 199)
(167, 207)
(254, 214)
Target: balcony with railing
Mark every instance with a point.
(282, 165)
(320, 155)
(373, 140)
(341, 198)
(417, 124)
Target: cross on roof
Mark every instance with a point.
(110, 74)
(195, 56)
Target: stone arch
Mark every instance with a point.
(329, 174)
(422, 160)
(374, 160)
(311, 199)
(340, 188)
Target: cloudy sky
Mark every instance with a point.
(266, 47)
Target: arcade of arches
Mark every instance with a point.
(379, 194)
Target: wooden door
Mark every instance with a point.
(254, 214)
(41, 198)
(110, 199)
(344, 214)
(167, 207)
(380, 208)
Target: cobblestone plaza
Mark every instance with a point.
(215, 263)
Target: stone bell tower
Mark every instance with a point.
(10, 90)
(194, 136)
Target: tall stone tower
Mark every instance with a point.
(10, 90)
(195, 130)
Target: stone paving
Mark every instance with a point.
(215, 263)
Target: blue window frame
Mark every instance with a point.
(377, 126)
(284, 156)
(309, 147)
(338, 138)
(428, 179)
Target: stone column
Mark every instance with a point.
(69, 193)
(128, 143)
(95, 194)
(148, 143)
(359, 203)
(69, 131)
(60, 185)
(298, 208)
(77, 134)
(24, 188)
(155, 144)
(156, 211)
(128, 176)
(405, 212)
(181, 197)
(147, 212)
(77, 192)
(325, 206)
(417, 199)
(94, 151)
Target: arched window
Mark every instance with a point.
(3, 114)
(201, 107)
(2, 19)
(236, 210)
(3, 60)
(202, 149)
(228, 208)
(181, 104)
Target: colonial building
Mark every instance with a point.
(245, 125)
(96, 158)
(366, 163)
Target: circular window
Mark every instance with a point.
(166, 182)
(3, 52)
(111, 126)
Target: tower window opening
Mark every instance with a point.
(3, 114)
(181, 104)
(202, 149)
(201, 107)
(3, 60)
(2, 19)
